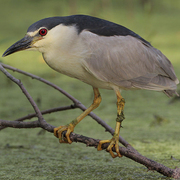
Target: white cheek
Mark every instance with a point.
(60, 38)
(40, 45)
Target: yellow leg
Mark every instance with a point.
(114, 142)
(70, 127)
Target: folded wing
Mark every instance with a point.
(128, 63)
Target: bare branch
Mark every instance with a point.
(43, 123)
(76, 102)
(29, 116)
(48, 111)
(129, 153)
(42, 80)
(18, 124)
(103, 123)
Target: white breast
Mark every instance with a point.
(67, 56)
(67, 53)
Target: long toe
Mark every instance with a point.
(113, 143)
(117, 149)
(110, 147)
(59, 130)
(99, 148)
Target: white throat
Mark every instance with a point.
(63, 50)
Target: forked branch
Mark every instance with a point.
(127, 151)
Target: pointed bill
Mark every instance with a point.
(24, 43)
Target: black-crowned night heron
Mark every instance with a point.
(102, 54)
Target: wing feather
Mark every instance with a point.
(128, 62)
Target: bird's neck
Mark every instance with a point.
(67, 61)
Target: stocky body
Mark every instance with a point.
(68, 56)
(100, 53)
(76, 55)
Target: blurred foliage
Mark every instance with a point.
(40, 155)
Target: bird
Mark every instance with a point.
(102, 54)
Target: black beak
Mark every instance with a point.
(24, 43)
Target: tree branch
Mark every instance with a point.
(75, 101)
(29, 116)
(19, 124)
(41, 120)
(127, 151)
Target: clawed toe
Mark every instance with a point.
(113, 143)
(59, 130)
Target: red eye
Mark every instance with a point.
(43, 32)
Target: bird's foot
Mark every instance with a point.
(114, 142)
(59, 130)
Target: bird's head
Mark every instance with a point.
(43, 35)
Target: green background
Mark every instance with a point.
(35, 154)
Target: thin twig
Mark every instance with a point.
(75, 101)
(43, 123)
(48, 111)
(128, 151)
(42, 80)
(19, 124)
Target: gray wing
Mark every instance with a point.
(128, 63)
